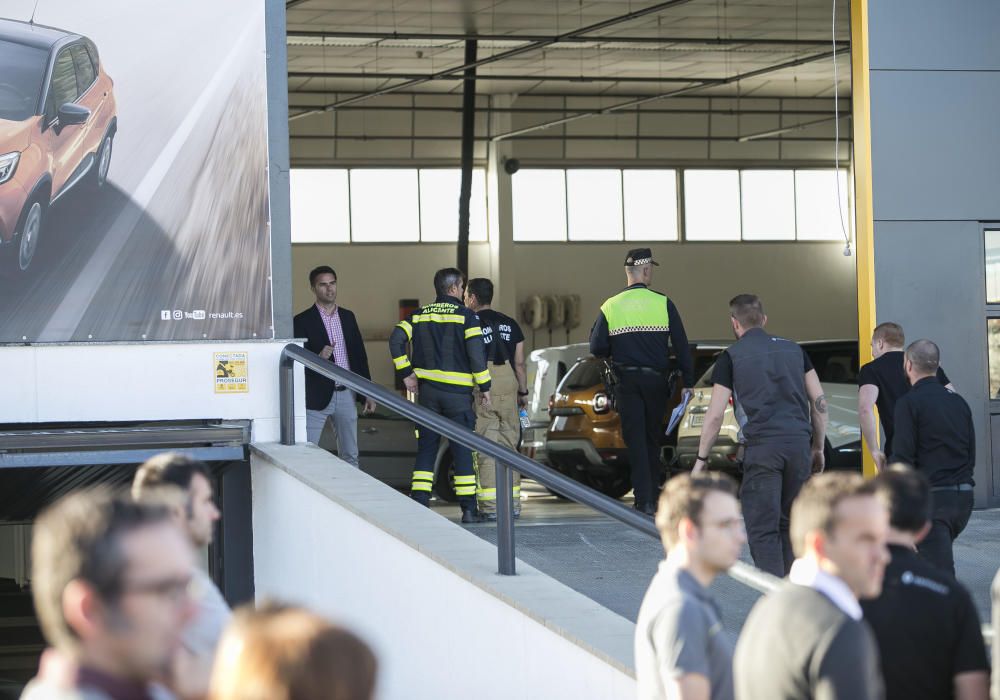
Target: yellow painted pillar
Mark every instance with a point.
(863, 210)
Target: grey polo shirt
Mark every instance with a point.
(202, 633)
(679, 631)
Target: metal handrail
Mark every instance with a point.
(506, 459)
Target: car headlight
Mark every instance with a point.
(8, 164)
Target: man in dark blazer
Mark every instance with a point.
(332, 332)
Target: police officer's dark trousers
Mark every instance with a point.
(456, 407)
(642, 403)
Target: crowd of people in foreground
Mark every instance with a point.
(128, 615)
(862, 615)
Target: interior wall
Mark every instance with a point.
(808, 289)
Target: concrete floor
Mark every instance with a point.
(613, 564)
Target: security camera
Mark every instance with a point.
(511, 165)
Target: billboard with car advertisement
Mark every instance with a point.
(133, 171)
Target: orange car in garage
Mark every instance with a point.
(584, 440)
(57, 124)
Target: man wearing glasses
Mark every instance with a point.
(681, 650)
(110, 580)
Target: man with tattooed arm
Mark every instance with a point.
(774, 382)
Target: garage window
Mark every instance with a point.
(817, 217)
(321, 206)
(767, 200)
(594, 205)
(344, 206)
(439, 193)
(539, 204)
(650, 204)
(712, 205)
(765, 205)
(384, 206)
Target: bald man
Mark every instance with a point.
(935, 435)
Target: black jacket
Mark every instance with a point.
(309, 325)
(935, 434)
(447, 347)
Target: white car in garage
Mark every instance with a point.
(836, 363)
(545, 368)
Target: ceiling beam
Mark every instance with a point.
(788, 129)
(424, 77)
(680, 91)
(583, 38)
(561, 137)
(573, 95)
(577, 110)
(533, 46)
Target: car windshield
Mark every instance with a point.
(706, 379)
(835, 363)
(583, 375)
(22, 71)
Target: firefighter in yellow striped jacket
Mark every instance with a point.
(448, 359)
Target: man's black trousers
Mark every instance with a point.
(773, 475)
(951, 512)
(642, 403)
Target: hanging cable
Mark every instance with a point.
(836, 133)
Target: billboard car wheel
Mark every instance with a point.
(31, 228)
(103, 163)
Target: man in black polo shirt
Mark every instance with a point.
(778, 389)
(925, 622)
(499, 421)
(935, 435)
(880, 383)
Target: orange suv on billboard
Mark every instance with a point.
(57, 124)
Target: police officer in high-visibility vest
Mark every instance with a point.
(635, 329)
(448, 360)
